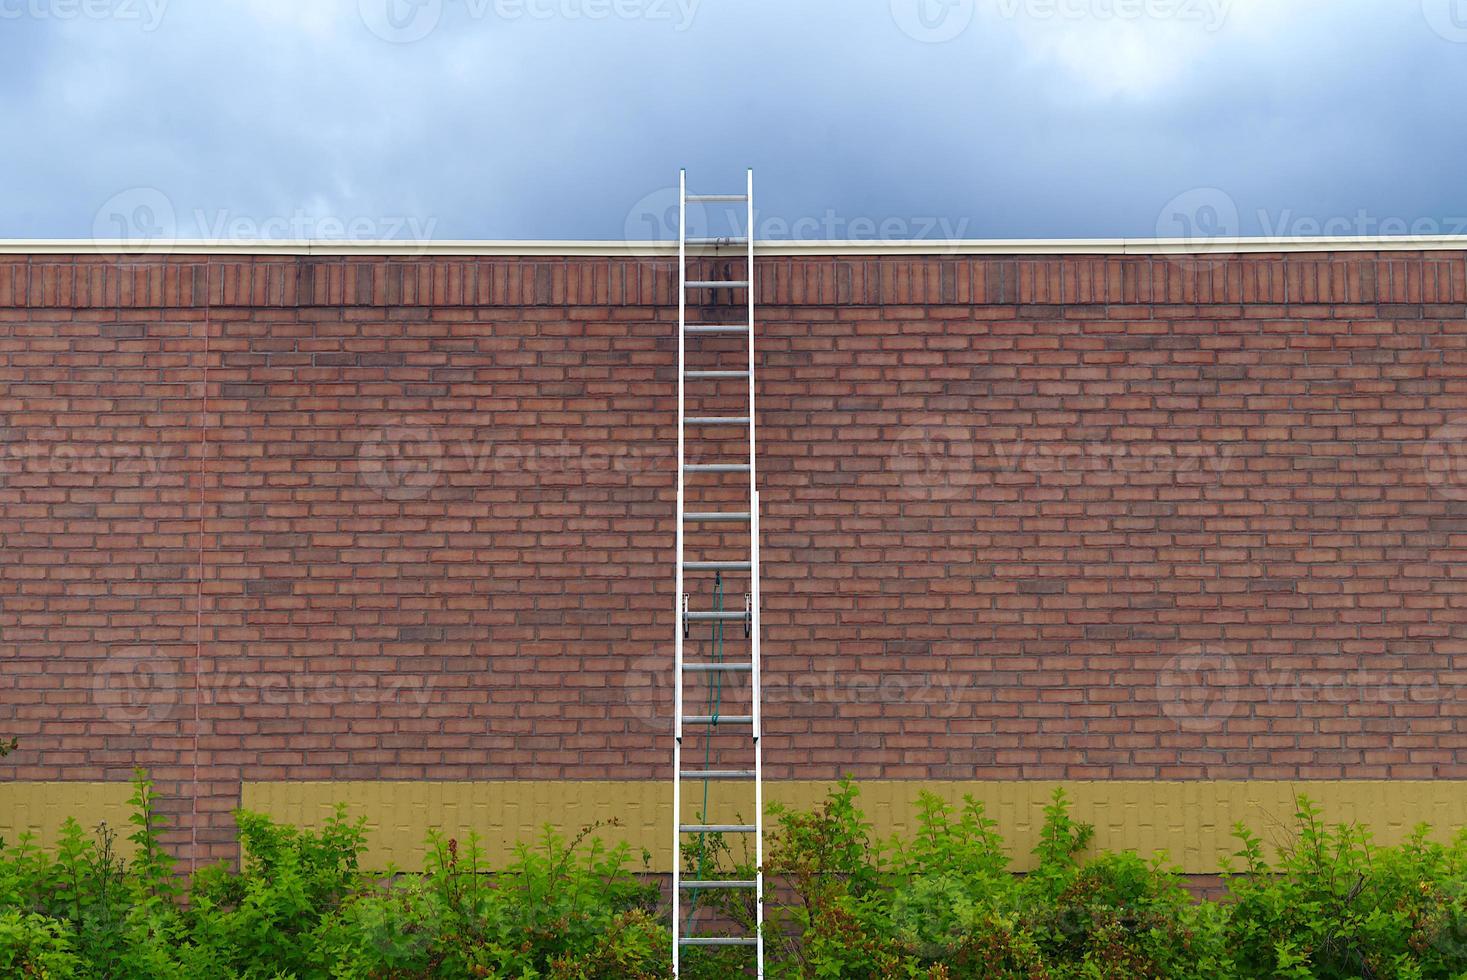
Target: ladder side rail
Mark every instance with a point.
(757, 694)
(677, 673)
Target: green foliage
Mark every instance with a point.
(289, 881)
(564, 909)
(32, 945)
(1336, 906)
(939, 903)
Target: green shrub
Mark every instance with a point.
(33, 945)
(1336, 906)
(289, 881)
(942, 904)
(566, 909)
(85, 887)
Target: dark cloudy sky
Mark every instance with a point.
(568, 119)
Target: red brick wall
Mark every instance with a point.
(1073, 517)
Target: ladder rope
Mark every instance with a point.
(715, 704)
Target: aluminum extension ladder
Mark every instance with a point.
(694, 576)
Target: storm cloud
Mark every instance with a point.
(568, 119)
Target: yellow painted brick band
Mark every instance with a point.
(1190, 821)
(41, 808)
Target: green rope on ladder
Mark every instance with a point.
(715, 702)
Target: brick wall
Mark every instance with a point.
(270, 518)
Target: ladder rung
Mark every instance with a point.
(715, 374)
(724, 240)
(722, 616)
(716, 328)
(724, 883)
(718, 774)
(718, 941)
(719, 720)
(718, 828)
(718, 420)
(716, 566)
(713, 518)
(717, 668)
(716, 468)
(716, 284)
(715, 198)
